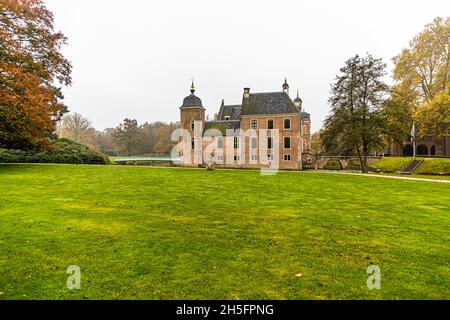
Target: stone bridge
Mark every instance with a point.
(322, 161)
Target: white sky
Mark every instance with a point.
(135, 58)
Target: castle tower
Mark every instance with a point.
(298, 102)
(192, 119)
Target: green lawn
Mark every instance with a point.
(153, 233)
(418, 176)
(392, 164)
(440, 166)
(435, 166)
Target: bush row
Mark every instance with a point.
(64, 151)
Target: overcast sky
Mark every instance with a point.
(135, 58)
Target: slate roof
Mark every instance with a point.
(192, 101)
(222, 126)
(306, 115)
(268, 103)
(232, 111)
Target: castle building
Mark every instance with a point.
(431, 146)
(266, 129)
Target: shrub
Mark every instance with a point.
(11, 156)
(64, 151)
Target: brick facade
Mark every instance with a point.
(239, 136)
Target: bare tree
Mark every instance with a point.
(77, 128)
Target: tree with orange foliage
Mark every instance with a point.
(422, 73)
(32, 69)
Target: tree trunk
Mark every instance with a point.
(364, 167)
(361, 161)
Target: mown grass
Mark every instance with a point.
(392, 164)
(418, 176)
(435, 166)
(153, 233)
(428, 167)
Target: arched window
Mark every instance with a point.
(408, 150)
(422, 150)
(433, 151)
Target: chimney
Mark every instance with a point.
(220, 116)
(246, 92)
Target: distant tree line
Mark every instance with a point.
(129, 138)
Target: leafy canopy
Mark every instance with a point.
(422, 72)
(356, 122)
(31, 68)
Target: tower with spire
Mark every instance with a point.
(192, 119)
(298, 102)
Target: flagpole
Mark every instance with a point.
(414, 140)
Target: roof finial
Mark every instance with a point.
(285, 86)
(297, 93)
(192, 86)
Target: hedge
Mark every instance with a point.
(64, 151)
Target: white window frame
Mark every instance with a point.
(271, 139)
(290, 124)
(290, 143)
(251, 143)
(236, 145)
(251, 124)
(218, 145)
(284, 158)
